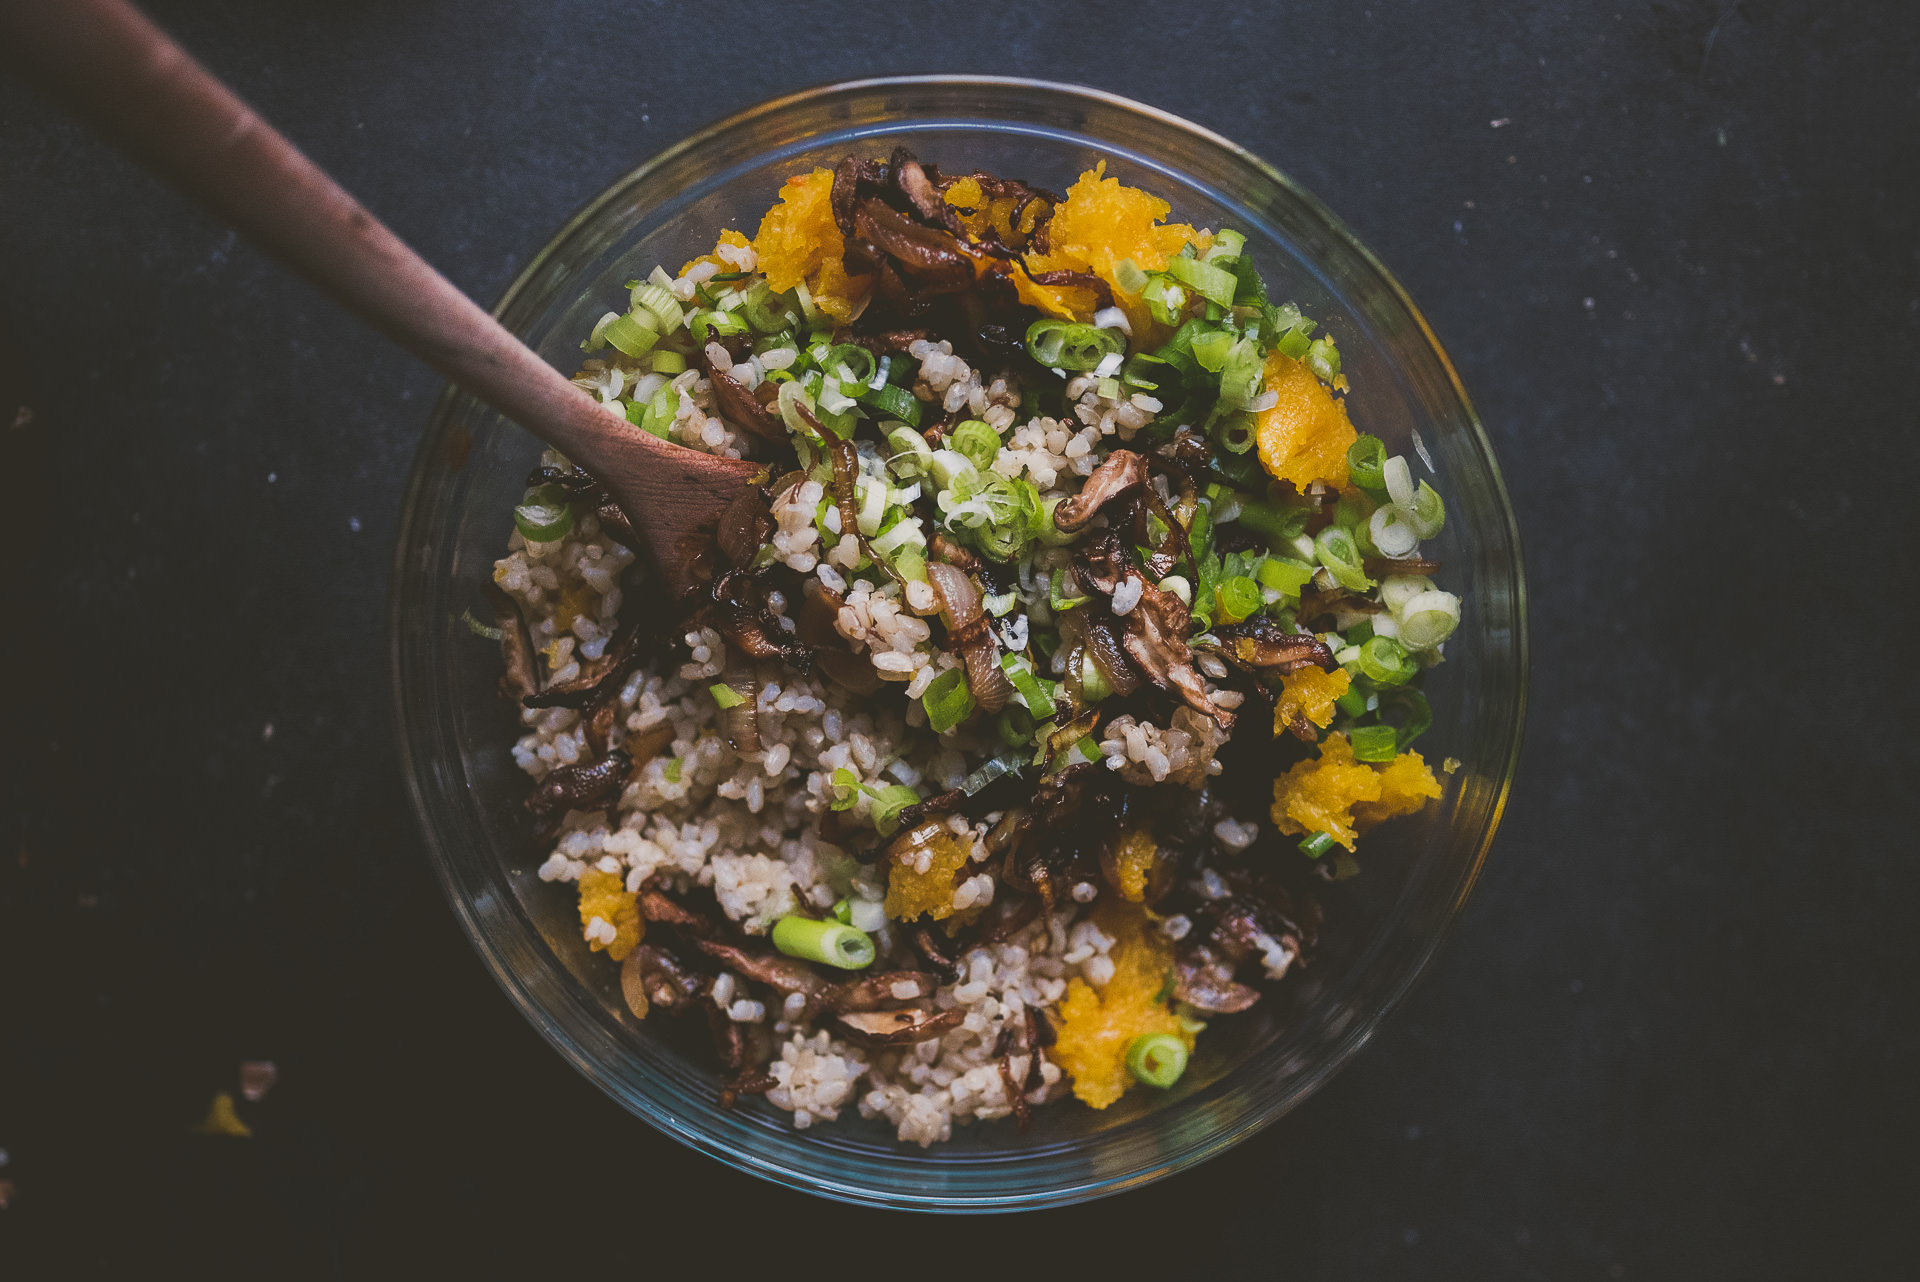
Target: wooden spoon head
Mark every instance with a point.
(672, 496)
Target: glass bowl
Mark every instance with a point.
(1382, 926)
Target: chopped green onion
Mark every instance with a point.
(1027, 686)
(544, 515)
(912, 456)
(1428, 619)
(1284, 575)
(1128, 276)
(1316, 844)
(1373, 743)
(658, 301)
(668, 362)
(1015, 725)
(1211, 347)
(632, 336)
(1234, 433)
(832, 943)
(1059, 344)
(1240, 374)
(1215, 284)
(725, 696)
(948, 700)
(1398, 589)
(1323, 358)
(977, 441)
(887, 805)
(1335, 548)
(1428, 513)
(1385, 661)
(1157, 1059)
(1275, 521)
(843, 911)
(893, 402)
(673, 769)
(662, 410)
(1226, 244)
(480, 629)
(845, 786)
(1007, 763)
(1057, 603)
(1238, 598)
(1166, 300)
(1353, 702)
(766, 311)
(858, 361)
(1413, 706)
(1365, 457)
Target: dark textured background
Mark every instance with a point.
(1673, 1036)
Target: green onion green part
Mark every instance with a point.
(1373, 743)
(1157, 1059)
(1316, 845)
(832, 943)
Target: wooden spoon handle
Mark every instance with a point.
(103, 60)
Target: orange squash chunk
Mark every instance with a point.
(1342, 797)
(1095, 1027)
(1305, 436)
(1101, 222)
(1308, 692)
(799, 242)
(911, 893)
(605, 895)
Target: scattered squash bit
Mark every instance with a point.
(1100, 223)
(605, 895)
(1135, 863)
(1309, 692)
(1094, 1028)
(574, 602)
(221, 1119)
(1305, 436)
(799, 241)
(911, 893)
(1343, 797)
(730, 238)
(1406, 784)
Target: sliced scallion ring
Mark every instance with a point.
(544, 515)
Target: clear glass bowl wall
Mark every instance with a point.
(455, 731)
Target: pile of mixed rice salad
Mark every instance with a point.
(954, 790)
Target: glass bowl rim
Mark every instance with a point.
(690, 1131)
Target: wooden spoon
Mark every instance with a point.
(104, 61)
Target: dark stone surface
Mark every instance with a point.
(1673, 1036)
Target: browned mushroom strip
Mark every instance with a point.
(1076, 280)
(665, 981)
(518, 680)
(1156, 640)
(934, 257)
(1121, 473)
(1204, 980)
(656, 907)
(871, 992)
(780, 973)
(582, 787)
(596, 675)
(967, 632)
(744, 528)
(848, 177)
(1104, 648)
(896, 1027)
(738, 406)
(912, 180)
(1263, 644)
